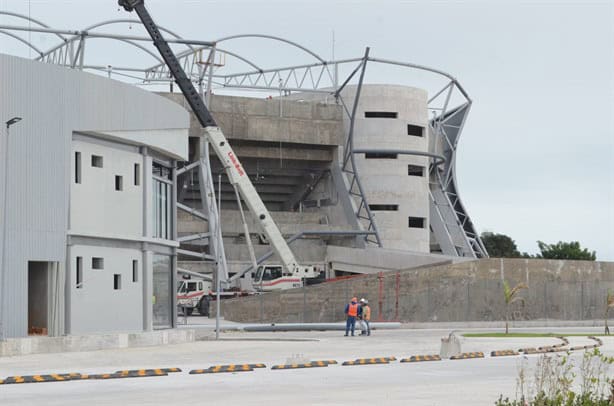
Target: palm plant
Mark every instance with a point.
(510, 295)
(609, 304)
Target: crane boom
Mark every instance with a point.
(234, 169)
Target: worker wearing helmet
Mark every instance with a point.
(365, 317)
(351, 312)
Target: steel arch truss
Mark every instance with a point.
(451, 226)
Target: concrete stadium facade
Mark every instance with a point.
(85, 247)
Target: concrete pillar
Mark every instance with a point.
(147, 290)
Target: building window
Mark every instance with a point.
(79, 273)
(415, 130)
(416, 222)
(381, 114)
(117, 281)
(77, 167)
(162, 201)
(415, 170)
(380, 155)
(384, 207)
(135, 270)
(119, 182)
(137, 174)
(96, 161)
(97, 263)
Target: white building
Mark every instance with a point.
(89, 241)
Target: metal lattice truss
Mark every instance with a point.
(214, 65)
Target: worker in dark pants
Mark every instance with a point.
(351, 312)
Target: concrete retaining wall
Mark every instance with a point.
(470, 291)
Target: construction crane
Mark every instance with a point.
(236, 174)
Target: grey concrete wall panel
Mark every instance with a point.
(466, 291)
(54, 102)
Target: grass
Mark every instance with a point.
(528, 335)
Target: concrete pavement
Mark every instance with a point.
(463, 382)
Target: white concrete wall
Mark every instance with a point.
(95, 206)
(97, 306)
(386, 181)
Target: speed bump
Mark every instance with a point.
(422, 358)
(34, 379)
(468, 355)
(503, 353)
(142, 372)
(313, 364)
(368, 361)
(223, 368)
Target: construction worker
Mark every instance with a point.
(351, 312)
(365, 317)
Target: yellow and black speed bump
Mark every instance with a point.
(142, 372)
(223, 368)
(422, 358)
(599, 342)
(468, 355)
(35, 379)
(503, 353)
(312, 364)
(368, 361)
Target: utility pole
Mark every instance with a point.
(9, 123)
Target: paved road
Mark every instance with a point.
(465, 382)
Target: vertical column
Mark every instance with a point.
(147, 262)
(174, 254)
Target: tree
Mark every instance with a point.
(499, 245)
(510, 298)
(609, 304)
(565, 250)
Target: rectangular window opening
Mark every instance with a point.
(119, 182)
(79, 273)
(415, 130)
(96, 161)
(380, 155)
(416, 222)
(415, 170)
(117, 281)
(135, 270)
(97, 263)
(381, 114)
(77, 167)
(384, 207)
(137, 174)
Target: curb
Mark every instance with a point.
(421, 358)
(468, 355)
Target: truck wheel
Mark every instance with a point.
(203, 307)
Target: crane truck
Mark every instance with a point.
(292, 274)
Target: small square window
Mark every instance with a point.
(137, 174)
(96, 161)
(381, 114)
(135, 270)
(415, 130)
(77, 167)
(415, 170)
(119, 182)
(416, 222)
(384, 207)
(117, 281)
(97, 263)
(380, 155)
(79, 273)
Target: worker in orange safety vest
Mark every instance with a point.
(352, 310)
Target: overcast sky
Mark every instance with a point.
(536, 158)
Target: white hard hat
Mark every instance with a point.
(363, 300)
